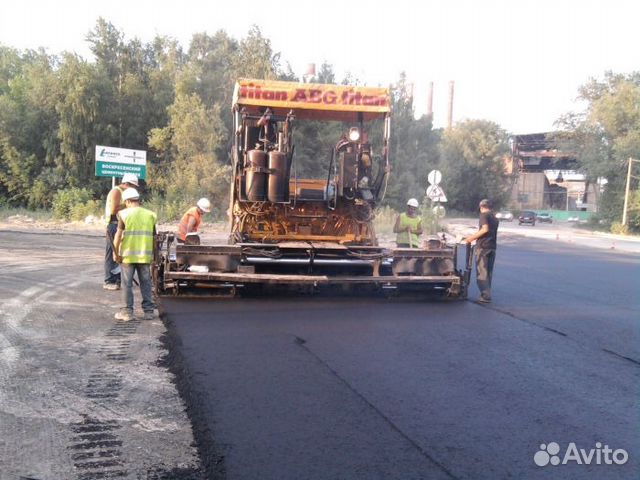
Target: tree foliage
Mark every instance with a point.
(473, 164)
(175, 102)
(605, 135)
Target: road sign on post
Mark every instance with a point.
(434, 177)
(115, 162)
(436, 194)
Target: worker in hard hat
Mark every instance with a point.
(113, 205)
(408, 226)
(133, 250)
(192, 219)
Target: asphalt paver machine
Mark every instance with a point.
(307, 233)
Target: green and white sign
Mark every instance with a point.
(115, 162)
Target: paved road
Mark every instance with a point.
(326, 388)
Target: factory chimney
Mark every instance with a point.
(450, 106)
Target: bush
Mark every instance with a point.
(619, 228)
(64, 202)
(81, 211)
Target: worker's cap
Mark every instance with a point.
(413, 203)
(485, 203)
(204, 204)
(130, 194)
(130, 178)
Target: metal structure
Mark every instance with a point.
(301, 232)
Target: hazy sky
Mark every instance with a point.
(518, 63)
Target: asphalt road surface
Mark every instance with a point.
(368, 388)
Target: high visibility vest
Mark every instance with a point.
(137, 243)
(403, 237)
(184, 223)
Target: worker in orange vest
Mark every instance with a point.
(192, 219)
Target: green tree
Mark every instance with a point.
(473, 164)
(605, 134)
(413, 148)
(189, 144)
(28, 124)
(82, 124)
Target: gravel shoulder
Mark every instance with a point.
(82, 396)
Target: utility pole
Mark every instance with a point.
(626, 191)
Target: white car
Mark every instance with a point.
(505, 215)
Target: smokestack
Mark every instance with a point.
(430, 101)
(450, 109)
(309, 73)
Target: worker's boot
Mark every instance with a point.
(484, 299)
(124, 315)
(149, 315)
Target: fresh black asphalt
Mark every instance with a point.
(371, 388)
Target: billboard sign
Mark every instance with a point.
(115, 162)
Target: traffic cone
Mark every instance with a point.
(613, 245)
(557, 236)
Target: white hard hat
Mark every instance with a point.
(204, 204)
(413, 203)
(130, 194)
(131, 178)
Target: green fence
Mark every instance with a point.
(564, 215)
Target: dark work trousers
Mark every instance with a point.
(485, 259)
(109, 264)
(146, 286)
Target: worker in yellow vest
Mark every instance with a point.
(408, 226)
(192, 219)
(133, 250)
(113, 205)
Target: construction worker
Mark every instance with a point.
(486, 244)
(192, 219)
(408, 226)
(133, 250)
(113, 205)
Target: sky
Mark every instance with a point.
(517, 63)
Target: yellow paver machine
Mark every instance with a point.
(307, 233)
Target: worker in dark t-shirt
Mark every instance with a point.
(486, 244)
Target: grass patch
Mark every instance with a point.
(39, 215)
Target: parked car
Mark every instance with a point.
(527, 217)
(544, 218)
(505, 215)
